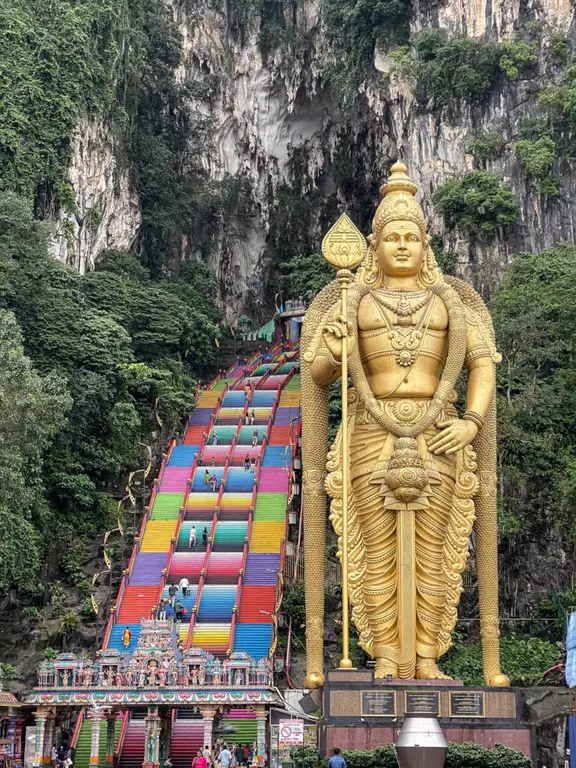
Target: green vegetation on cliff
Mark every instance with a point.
(110, 356)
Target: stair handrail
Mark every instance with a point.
(77, 727)
(122, 734)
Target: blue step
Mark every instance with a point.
(115, 640)
(234, 399)
(277, 456)
(201, 473)
(188, 602)
(238, 480)
(216, 603)
(253, 639)
(183, 455)
(262, 398)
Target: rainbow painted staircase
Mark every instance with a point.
(234, 575)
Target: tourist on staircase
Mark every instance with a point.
(214, 483)
(253, 464)
(205, 537)
(193, 537)
(247, 462)
(207, 478)
(252, 417)
(179, 611)
(126, 637)
(255, 436)
(184, 584)
(214, 438)
(172, 590)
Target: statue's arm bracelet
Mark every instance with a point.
(475, 417)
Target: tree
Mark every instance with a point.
(33, 409)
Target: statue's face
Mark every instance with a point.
(401, 249)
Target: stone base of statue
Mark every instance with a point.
(361, 712)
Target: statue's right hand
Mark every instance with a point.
(334, 332)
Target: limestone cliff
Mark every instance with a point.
(278, 121)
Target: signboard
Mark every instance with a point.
(378, 703)
(291, 733)
(422, 703)
(467, 704)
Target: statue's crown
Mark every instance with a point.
(398, 203)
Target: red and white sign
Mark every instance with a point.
(291, 733)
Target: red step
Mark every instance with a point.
(253, 601)
(136, 604)
(280, 435)
(194, 435)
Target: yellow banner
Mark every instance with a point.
(94, 603)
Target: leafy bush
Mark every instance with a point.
(486, 145)
(459, 756)
(478, 203)
(524, 661)
(537, 157)
(460, 68)
(353, 27)
(517, 56)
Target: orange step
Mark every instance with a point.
(136, 604)
(253, 601)
(280, 436)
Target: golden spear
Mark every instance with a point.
(344, 247)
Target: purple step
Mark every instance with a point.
(201, 416)
(147, 568)
(261, 570)
(284, 416)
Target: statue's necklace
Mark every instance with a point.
(405, 335)
(403, 309)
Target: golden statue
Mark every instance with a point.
(407, 476)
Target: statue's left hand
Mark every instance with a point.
(455, 435)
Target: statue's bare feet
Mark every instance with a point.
(427, 669)
(385, 667)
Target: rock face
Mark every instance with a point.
(107, 210)
(547, 709)
(278, 122)
(267, 107)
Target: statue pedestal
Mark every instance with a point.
(363, 713)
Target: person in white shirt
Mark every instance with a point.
(184, 584)
(225, 757)
(193, 537)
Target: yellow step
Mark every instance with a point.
(266, 536)
(157, 535)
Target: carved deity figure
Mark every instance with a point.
(420, 469)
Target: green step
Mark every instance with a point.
(84, 742)
(270, 507)
(245, 730)
(230, 533)
(167, 506)
(294, 382)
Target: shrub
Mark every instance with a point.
(459, 756)
(486, 145)
(524, 661)
(478, 203)
(537, 157)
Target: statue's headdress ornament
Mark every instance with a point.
(397, 204)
